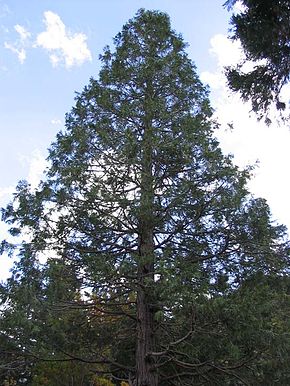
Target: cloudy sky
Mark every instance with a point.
(49, 49)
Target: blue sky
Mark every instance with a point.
(50, 49)
(36, 92)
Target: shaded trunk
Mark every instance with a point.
(145, 373)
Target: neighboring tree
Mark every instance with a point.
(264, 33)
(150, 227)
(42, 321)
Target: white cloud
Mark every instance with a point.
(226, 51)
(250, 140)
(4, 10)
(55, 122)
(20, 52)
(239, 7)
(214, 80)
(63, 46)
(5, 194)
(19, 46)
(24, 34)
(37, 165)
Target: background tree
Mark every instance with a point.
(150, 227)
(263, 30)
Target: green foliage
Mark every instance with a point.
(263, 30)
(142, 218)
(97, 381)
(62, 374)
(9, 382)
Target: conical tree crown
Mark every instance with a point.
(148, 79)
(139, 146)
(153, 223)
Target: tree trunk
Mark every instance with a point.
(145, 372)
(146, 375)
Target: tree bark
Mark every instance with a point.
(145, 373)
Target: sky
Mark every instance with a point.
(48, 51)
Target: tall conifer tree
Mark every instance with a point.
(141, 204)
